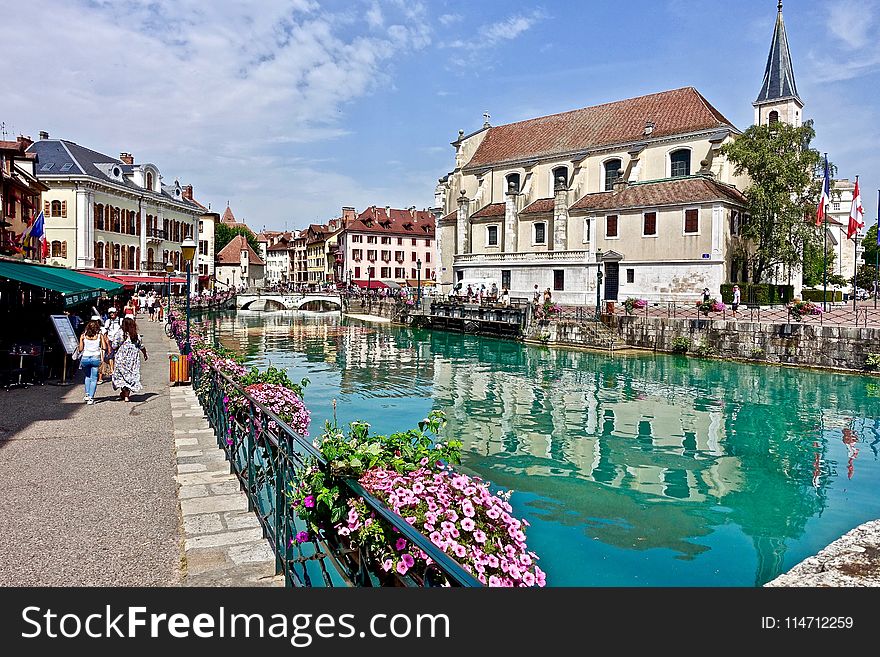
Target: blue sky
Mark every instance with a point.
(291, 109)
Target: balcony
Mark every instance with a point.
(525, 258)
(155, 235)
(153, 266)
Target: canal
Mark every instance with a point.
(647, 470)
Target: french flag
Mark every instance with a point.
(826, 195)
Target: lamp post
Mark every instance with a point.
(168, 269)
(599, 275)
(188, 249)
(419, 282)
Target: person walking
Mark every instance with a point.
(151, 306)
(705, 294)
(127, 371)
(505, 298)
(93, 345)
(536, 297)
(736, 299)
(113, 333)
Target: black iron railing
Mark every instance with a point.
(265, 460)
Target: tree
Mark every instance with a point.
(224, 234)
(782, 197)
(870, 244)
(814, 265)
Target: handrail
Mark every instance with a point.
(455, 574)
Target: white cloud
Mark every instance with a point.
(850, 21)
(374, 16)
(449, 19)
(489, 36)
(218, 94)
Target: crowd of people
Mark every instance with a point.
(110, 346)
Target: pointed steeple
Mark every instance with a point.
(779, 99)
(779, 75)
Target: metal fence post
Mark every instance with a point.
(251, 447)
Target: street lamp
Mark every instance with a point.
(419, 283)
(168, 269)
(188, 249)
(598, 285)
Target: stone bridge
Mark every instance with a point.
(277, 301)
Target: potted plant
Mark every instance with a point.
(631, 304)
(800, 309)
(712, 305)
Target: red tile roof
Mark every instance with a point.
(673, 112)
(228, 217)
(231, 253)
(662, 192)
(418, 223)
(280, 246)
(541, 205)
(449, 218)
(491, 210)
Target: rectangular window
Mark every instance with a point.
(399, 272)
(413, 273)
(734, 223)
(371, 256)
(386, 240)
(630, 275)
(414, 256)
(203, 247)
(399, 241)
(386, 272)
(427, 242)
(386, 255)
(734, 272)
(611, 225)
(357, 254)
(492, 236)
(371, 239)
(372, 272)
(540, 233)
(835, 206)
(692, 221)
(414, 241)
(505, 278)
(357, 238)
(558, 279)
(650, 224)
(428, 257)
(587, 223)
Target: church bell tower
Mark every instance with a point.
(779, 100)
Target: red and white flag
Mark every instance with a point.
(856, 213)
(826, 195)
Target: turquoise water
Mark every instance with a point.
(646, 470)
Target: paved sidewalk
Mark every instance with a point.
(88, 492)
(224, 544)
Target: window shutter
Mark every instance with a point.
(64, 249)
(691, 221)
(63, 208)
(650, 223)
(611, 225)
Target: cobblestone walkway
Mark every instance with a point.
(223, 541)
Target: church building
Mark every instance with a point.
(636, 189)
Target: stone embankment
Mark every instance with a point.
(851, 560)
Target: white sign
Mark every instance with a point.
(65, 333)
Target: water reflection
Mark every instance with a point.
(679, 460)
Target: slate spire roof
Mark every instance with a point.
(779, 75)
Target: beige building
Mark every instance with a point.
(846, 260)
(239, 267)
(637, 189)
(110, 214)
(206, 256)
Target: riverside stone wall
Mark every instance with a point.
(841, 347)
(379, 308)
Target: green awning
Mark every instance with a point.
(57, 279)
(101, 282)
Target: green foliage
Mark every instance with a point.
(870, 244)
(681, 345)
(761, 294)
(865, 277)
(785, 189)
(758, 353)
(705, 350)
(352, 455)
(274, 376)
(872, 362)
(224, 234)
(816, 295)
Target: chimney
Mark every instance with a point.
(44, 134)
(188, 192)
(348, 214)
(127, 158)
(388, 211)
(24, 142)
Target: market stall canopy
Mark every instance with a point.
(372, 285)
(394, 285)
(111, 284)
(75, 288)
(149, 280)
(414, 282)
